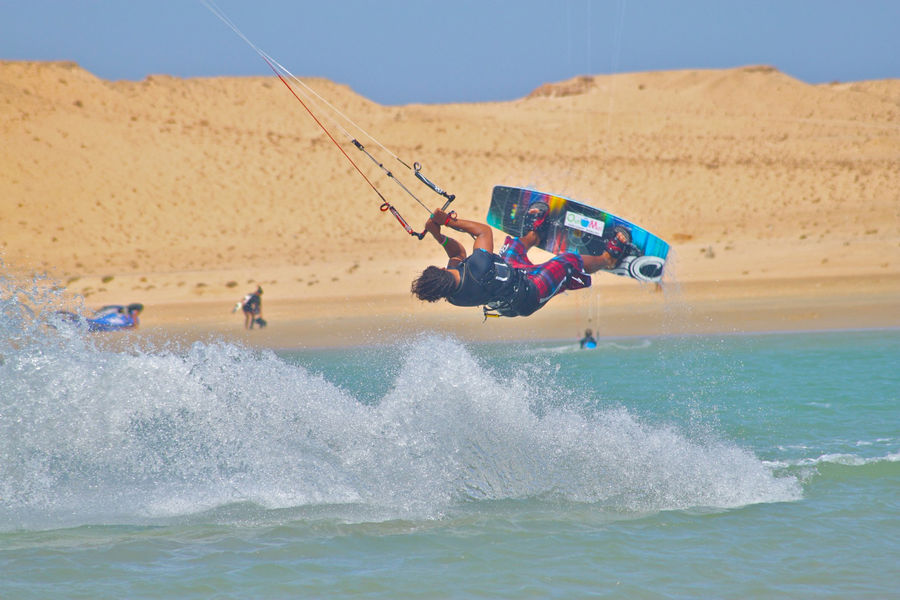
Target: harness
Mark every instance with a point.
(500, 289)
(512, 301)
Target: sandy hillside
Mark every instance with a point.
(182, 193)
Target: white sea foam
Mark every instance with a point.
(836, 458)
(90, 435)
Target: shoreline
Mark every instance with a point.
(379, 320)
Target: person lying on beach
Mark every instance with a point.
(112, 317)
(507, 284)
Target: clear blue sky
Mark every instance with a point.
(398, 52)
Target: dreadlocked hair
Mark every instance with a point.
(433, 284)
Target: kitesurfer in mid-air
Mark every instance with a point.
(508, 283)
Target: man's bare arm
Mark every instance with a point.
(483, 234)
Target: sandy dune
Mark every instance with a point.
(781, 199)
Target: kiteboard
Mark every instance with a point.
(579, 228)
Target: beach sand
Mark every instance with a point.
(781, 201)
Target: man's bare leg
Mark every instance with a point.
(530, 240)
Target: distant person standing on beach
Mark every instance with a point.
(252, 307)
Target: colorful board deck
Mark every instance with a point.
(577, 227)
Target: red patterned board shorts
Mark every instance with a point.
(562, 272)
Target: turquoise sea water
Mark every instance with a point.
(764, 466)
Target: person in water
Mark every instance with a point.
(252, 307)
(588, 340)
(508, 283)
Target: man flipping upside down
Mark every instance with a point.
(508, 284)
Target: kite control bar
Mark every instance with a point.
(417, 167)
(386, 206)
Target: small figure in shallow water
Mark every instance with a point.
(588, 340)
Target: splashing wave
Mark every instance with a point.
(90, 435)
